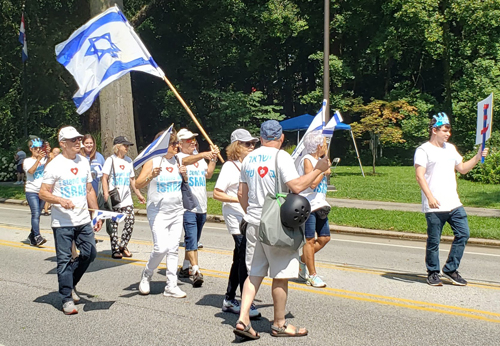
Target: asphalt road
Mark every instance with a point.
(376, 295)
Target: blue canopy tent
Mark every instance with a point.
(302, 122)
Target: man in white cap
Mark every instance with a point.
(67, 185)
(198, 172)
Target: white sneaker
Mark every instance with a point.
(231, 306)
(315, 281)
(69, 308)
(303, 271)
(75, 296)
(144, 284)
(175, 292)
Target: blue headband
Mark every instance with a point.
(36, 143)
(441, 119)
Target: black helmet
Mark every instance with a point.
(295, 210)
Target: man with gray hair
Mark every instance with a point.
(258, 174)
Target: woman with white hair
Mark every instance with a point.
(317, 224)
(118, 173)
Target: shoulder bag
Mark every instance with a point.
(114, 195)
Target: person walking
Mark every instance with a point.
(19, 158)
(164, 209)
(226, 191)
(257, 179)
(317, 229)
(34, 167)
(436, 162)
(198, 172)
(96, 160)
(118, 173)
(67, 185)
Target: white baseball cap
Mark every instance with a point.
(185, 134)
(242, 135)
(68, 132)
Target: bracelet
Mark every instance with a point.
(148, 179)
(213, 160)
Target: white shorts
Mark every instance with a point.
(263, 260)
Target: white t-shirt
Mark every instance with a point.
(70, 178)
(197, 175)
(228, 182)
(316, 196)
(258, 171)
(164, 191)
(34, 181)
(123, 172)
(440, 175)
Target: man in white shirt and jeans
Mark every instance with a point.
(67, 185)
(258, 174)
(435, 164)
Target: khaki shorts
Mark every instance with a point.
(263, 260)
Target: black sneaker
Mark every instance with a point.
(183, 273)
(197, 279)
(31, 239)
(39, 240)
(434, 279)
(455, 278)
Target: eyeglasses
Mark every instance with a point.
(174, 144)
(73, 140)
(248, 144)
(190, 140)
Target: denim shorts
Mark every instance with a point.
(316, 225)
(193, 224)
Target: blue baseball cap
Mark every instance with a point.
(271, 130)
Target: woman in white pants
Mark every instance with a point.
(165, 212)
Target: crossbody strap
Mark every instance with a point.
(113, 170)
(236, 166)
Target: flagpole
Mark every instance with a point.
(181, 100)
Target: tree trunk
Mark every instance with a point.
(115, 100)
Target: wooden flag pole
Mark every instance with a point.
(186, 107)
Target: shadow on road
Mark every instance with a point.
(54, 299)
(406, 277)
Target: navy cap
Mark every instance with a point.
(271, 130)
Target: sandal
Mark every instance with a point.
(116, 255)
(245, 332)
(281, 331)
(125, 253)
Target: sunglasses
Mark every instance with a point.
(73, 140)
(248, 144)
(190, 140)
(174, 144)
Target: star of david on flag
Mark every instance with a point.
(102, 51)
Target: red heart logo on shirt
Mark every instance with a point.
(74, 170)
(262, 171)
(196, 164)
(169, 169)
(122, 167)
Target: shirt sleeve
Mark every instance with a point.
(26, 165)
(89, 171)
(286, 167)
(243, 177)
(49, 176)
(420, 157)
(223, 179)
(132, 172)
(458, 157)
(106, 169)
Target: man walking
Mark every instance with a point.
(258, 174)
(435, 164)
(67, 185)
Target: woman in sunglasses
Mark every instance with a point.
(226, 191)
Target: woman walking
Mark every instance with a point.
(226, 191)
(165, 213)
(118, 174)
(96, 160)
(34, 167)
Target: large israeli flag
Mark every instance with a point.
(330, 127)
(318, 123)
(159, 147)
(100, 52)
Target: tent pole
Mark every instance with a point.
(298, 131)
(357, 154)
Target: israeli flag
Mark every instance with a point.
(159, 147)
(318, 123)
(102, 51)
(22, 39)
(330, 127)
(104, 215)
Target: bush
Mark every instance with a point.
(7, 166)
(489, 171)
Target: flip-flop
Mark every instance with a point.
(245, 333)
(281, 331)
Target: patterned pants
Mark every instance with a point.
(127, 229)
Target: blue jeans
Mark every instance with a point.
(70, 272)
(193, 224)
(36, 206)
(314, 224)
(238, 273)
(457, 218)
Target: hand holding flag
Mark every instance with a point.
(104, 215)
(159, 147)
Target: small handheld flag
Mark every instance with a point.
(484, 121)
(104, 215)
(22, 39)
(159, 147)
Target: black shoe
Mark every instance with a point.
(39, 240)
(183, 273)
(197, 279)
(31, 239)
(434, 279)
(455, 278)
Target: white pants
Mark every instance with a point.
(166, 231)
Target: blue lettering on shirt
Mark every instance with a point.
(259, 158)
(197, 181)
(250, 173)
(322, 187)
(38, 172)
(172, 186)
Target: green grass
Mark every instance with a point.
(398, 184)
(14, 192)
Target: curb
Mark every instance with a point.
(333, 229)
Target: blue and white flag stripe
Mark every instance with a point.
(159, 147)
(22, 39)
(100, 52)
(330, 127)
(104, 215)
(316, 124)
